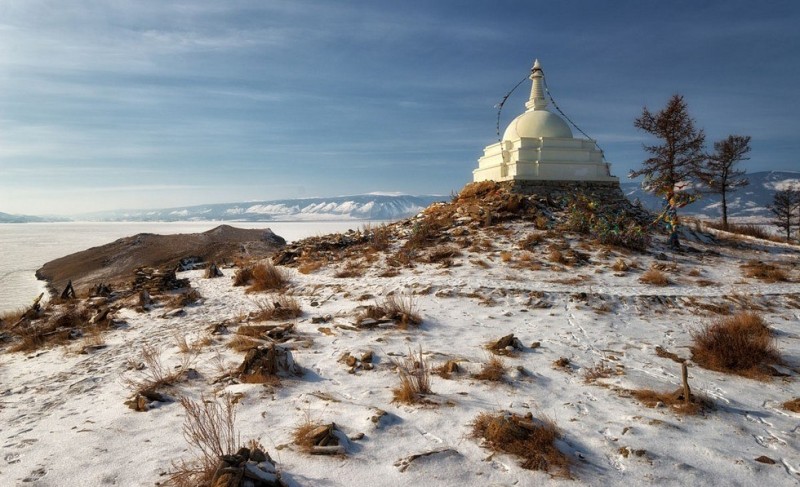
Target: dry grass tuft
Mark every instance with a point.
(792, 405)
(673, 400)
(533, 440)
(740, 344)
(279, 307)
(309, 266)
(494, 370)
(243, 343)
(444, 253)
(209, 428)
(764, 271)
(655, 277)
(401, 309)
(302, 433)
(242, 276)
(415, 379)
(599, 371)
(749, 229)
(620, 265)
(267, 277)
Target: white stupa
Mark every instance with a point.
(538, 146)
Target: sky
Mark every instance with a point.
(156, 103)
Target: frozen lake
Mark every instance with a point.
(24, 247)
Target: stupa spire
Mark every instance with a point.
(537, 100)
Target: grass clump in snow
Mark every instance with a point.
(764, 271)
(531, 439)
(494, 370)
(673, 400)
(401, 309)
(792, 405)
(267, 277)
(260, 277)
(156, 377)
(279, 307)
(740, 344)
(655, 277)
(415, 379)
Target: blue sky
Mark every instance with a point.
(115, 104)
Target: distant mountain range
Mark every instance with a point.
(358, 207)
(750, 201)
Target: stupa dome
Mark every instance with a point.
(539, 146)
(537, 123)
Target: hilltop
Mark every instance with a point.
(601, 313)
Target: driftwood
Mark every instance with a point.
(33, 312)
(69, 291)
(687, 393)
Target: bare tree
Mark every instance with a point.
(676, 159)
(720, 174)
(784, 204)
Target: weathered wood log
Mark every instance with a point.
(69, 291)
(687, 393)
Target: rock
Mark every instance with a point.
(351, 361)
(367, 357)
(272, 360)
(536, 344)
(765, 459)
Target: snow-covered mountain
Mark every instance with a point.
(357, 207)
(9, 218)
(749, 201)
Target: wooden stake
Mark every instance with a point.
(687, 394)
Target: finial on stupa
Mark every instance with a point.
(537, 100)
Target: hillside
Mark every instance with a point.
(596, 351)
(114, 263)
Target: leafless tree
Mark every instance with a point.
(720, 174)
(784, 205)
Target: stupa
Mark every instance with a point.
(538, 151)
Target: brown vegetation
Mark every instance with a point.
(401, 309)
(655, 277)
(674, 400)
(278, 307)
(740, 344)
(415, 378)
(792, 405)
(531, 439)
(764, 271)
(493, 370)
(267, 277)
(209, 428)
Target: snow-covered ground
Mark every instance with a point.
(64, 421)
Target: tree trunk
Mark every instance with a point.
(724, 212)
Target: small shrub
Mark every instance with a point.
(209, 428)
(655, 277)
(415, 379)
(531, 439)
(379, 237)
(505, 256)
(267, 277)
(494, 370)
(740, 344)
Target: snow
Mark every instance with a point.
(64, 421)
